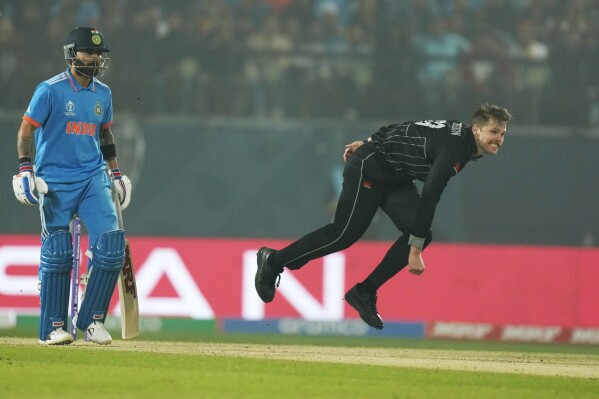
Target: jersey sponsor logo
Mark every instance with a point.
(70, 107)
(456, 129)
(367, 184)
(81, 128)
(438, 124)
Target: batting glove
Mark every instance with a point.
(26, 186)
(122, 186)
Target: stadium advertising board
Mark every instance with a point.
(484, 285)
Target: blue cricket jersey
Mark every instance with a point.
(68, 118)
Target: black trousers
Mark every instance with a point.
(366, 187)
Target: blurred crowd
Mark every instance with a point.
(321, 58)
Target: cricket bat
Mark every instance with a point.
(127, 286)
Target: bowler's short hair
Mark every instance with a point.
(485, 112)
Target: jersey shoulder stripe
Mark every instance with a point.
(58, 78)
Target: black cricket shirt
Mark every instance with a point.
(432, 151)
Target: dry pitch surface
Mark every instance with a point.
(548, 364)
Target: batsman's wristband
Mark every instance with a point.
(25, 166)
(108, 151)
(416, 242)
(116, 173)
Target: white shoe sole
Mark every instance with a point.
(63, 341)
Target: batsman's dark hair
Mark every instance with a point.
(485, 112)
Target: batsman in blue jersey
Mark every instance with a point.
(69, 118)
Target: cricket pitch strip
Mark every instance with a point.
(548, 364)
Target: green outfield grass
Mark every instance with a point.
(216, 365)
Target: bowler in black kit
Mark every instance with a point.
(380, 172)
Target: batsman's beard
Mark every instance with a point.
(91, 69)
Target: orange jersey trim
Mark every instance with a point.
(106, 126)
(31, 121)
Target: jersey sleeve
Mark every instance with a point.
(107, 121)
(39, 107)
(441, 171)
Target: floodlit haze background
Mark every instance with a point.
(230, 115)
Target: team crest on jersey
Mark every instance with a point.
(70, 107)
(98, 109)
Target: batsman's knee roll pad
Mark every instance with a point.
(56, 262)
(108, 255)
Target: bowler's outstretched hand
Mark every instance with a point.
(415, 262)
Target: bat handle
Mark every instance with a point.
(116, 201)
(117, 207)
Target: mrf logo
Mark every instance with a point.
(81, 128)
(127, 271)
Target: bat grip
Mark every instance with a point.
(117, 207)
(116, 201)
